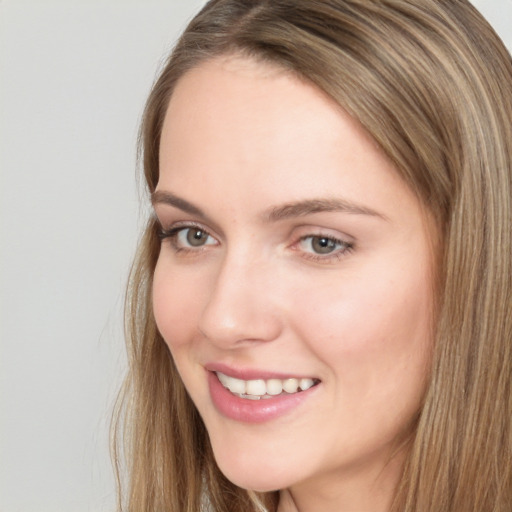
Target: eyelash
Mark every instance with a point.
(344, 249)
(339, 253)
(172, 235)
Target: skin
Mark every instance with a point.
(240, 139)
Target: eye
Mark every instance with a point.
(318, 246)
(187, 238)
(193, 237)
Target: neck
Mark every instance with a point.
(354, 491)
(286, 503)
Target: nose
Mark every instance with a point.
(241, 306)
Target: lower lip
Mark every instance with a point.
(253, 411)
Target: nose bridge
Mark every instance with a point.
(240, 305)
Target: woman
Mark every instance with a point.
(319, 310)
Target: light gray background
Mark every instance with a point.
(73, 79)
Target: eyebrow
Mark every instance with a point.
(311, 206)
(160, 197)
(300, 208)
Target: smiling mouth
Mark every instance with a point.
(263, 389)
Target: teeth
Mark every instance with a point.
(251, 397)
(291, 385)
(306, 384)
(256, 389)
(234, 385)
(274, 387)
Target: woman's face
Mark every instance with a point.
(292, 257)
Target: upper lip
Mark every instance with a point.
(252, 373)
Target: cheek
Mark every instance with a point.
(176, 304)
(372, 333)
(375, 349)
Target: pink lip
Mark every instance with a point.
(248, 373)
(253, 411)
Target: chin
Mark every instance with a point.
(252, 482)
(253, 475)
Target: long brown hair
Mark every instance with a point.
(432, 84)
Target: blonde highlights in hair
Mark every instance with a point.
(432, 84)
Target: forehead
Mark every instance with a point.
(235, 88)
(269, 112)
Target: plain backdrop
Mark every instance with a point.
(74, 76)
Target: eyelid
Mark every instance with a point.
(175, 228)
(311, 230)
(347, 244)
(168, 215)
(167, 228)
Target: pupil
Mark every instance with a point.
(323, 245)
